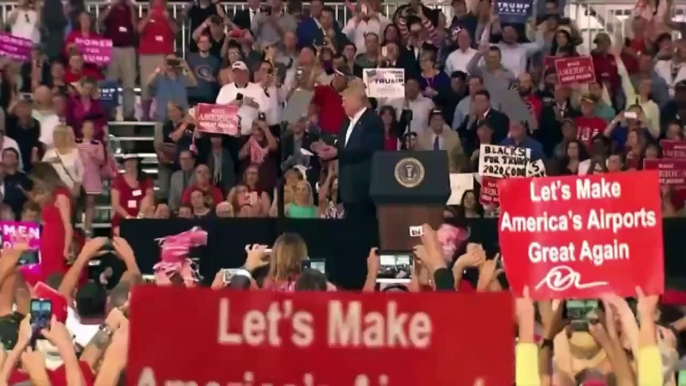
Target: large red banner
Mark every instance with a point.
(200, 336)
(672, 172)
(580, 237)
(673, 149)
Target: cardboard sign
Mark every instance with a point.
(503, 161)
(384, 82)
(535, 169)
(575, 70)
(672, 172)
(15, 48)
(11, 230)
(489, 192)
(569, 237)
(217, 119)
(325, 338)
(459, 183)
(673, 149)
(514, 11)
(95, 50)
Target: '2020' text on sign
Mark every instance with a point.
(205, 337)
(571, 237)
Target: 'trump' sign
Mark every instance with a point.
(579, 237)
(315, 339)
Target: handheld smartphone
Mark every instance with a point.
(173, 62)
(299, 72)
(149, 279)
(581, 313)
(253, 198)
(30, 257)
(384, 51)
(416, 231)
(239, 96)
(316, 264)
(262, 116)
(631, 115)
(363, 9)
(41, 314)
(394, 268)
(229, 273)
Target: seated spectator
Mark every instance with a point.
(85, 106)
(132, 192)
(77, 69)
(303, 204)
(169, 85)
(601, 148)
(201, 207)
(181, 179)
(245, 203)
(329, 204)
(25, 130)
(185, 211)
(203, 182)
(674, 131)
(66, 160)
(288, 252)
(92, 154)
(259, 198)
(260, 150)
(205, 67)
(575, 152)
(469, 207)
(218, 158)
(162, 211)
(292, 177)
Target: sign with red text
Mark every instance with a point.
(217, 119)
(575, 70)
(202, 337)
(15, 48)
(95, 50)
(672, 171)
(673, 149)
(489, 191)
(580, 237)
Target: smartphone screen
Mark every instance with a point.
(316, 264)
(29, 258)
(41, 313)
(229, 273)
(394, 268)
(384, 51)
(630, 115)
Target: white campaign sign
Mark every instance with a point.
(459, 183)
(384, 82)
(503, 161)
(535, 169)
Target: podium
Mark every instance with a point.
(409, 188)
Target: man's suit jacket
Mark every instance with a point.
(176, 188)
(499, 122)
(355, 157)
(451, 141)
(228, 170)
(242, 19)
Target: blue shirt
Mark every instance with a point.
(528, 143)
(165, 90)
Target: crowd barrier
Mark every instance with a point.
(343, 243)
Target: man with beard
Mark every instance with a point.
(526, 91)
(547, 93)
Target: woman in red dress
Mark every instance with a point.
(56, 203)
(132, 192)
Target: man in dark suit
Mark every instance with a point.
(482, 110)
(243, 18)
(360, 136)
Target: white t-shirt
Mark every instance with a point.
(247, 114)
(458, 60)
(48, 121)
(69, 166)
(82, 333)
(25, 25)
(421, 108)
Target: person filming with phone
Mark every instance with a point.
(169, 84)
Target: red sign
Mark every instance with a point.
(217, 119)
(575, 70)
(15, 47)
(95, 50)
(672, 171)
(673, 149)
(489, 191)
(580, 237)
(200, 336)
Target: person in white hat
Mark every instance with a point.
(250, 97)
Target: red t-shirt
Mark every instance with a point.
(157, 37)
(87, 72)
(212, 190)
(71, 39)
(606, 69)
(331, 113)
(118, 26)
(130, 197)
(587, 128)
(630, 62)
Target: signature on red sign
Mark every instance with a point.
(562, 278)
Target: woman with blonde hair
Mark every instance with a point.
(65, 158)
(56, 202)
(288, 252)
(303, 203)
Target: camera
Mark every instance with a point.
(173, 62)
(239, 96)
(394, 268)
(316, 264)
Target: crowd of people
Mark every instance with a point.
(56, 162)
